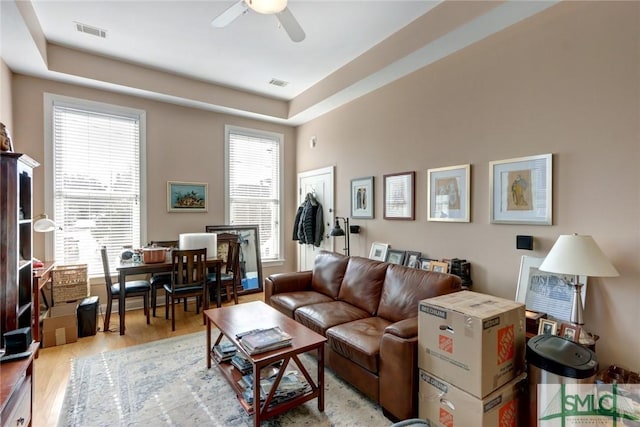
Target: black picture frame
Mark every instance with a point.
(412, 259)
(395, 256)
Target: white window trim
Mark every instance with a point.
(51, 100)
(228, 129)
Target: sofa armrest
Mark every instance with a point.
(399, 365)
(287, 282)
(406, 328)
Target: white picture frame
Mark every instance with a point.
(546, 292)
(521, 190)
(448, 193)
(378, 251)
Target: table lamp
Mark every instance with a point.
(43, 224)
(577, 255)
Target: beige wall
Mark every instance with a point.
(183, 144)
(564, 82)
(6, 113)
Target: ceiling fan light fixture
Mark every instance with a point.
(267, 6)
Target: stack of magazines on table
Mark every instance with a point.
(224, 352)
(261, 340)
(291, 385)
(241, 363)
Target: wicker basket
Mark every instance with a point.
(70, 283)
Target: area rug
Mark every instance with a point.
(167, 383)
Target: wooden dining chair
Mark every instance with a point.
(230, 278)
(158, 280)
(188, 279)
(133, 288)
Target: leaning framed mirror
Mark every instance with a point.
(250, 263)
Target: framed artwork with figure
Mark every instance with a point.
(362, 201)
(521, 190)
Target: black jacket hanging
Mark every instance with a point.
(308, 226)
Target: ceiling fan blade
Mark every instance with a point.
(290, 24)
(229, 15)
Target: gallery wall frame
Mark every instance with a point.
(399, 196)
(546, 292)
(187, 196)
(363, 198)
(521, 190)
(449, 193)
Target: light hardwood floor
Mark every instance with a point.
(53, 365)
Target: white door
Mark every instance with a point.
(320, 183)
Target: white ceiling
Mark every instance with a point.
(176, 37)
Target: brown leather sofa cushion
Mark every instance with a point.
(328, 271)
(359, 341)
(289, 302)
(322, 316)
(362, 283)
(405, 287)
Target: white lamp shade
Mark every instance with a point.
(44, 225)
(267, 6)
(199, 241)
(578, 255)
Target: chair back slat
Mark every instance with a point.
(188, 268)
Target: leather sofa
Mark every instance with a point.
(368, 311)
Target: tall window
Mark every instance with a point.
(95, 184)
(253, 184)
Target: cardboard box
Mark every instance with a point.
(472, 340)
(443, 404)
(61, 327)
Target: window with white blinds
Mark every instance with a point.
(96, 188)
(253, 182)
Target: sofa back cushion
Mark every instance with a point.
(328, 271)
(405, 287)
(362, 283)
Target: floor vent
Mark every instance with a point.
(277, 82)
(88, 29)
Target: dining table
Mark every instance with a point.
(130, 268)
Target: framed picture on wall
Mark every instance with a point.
(448, 193)
(399, 196)
(362, 201)
(521, 190)
(187, 196)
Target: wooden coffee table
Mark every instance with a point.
(236, 319)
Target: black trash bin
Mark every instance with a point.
(88, 316)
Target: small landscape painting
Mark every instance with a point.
(186, 196)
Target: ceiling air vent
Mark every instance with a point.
(88, 29)
(280, 83)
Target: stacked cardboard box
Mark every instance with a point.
(471, 349)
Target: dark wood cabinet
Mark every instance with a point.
(16, 281)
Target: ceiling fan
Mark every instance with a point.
(266, 7)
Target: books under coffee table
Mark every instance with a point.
(282, 392)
